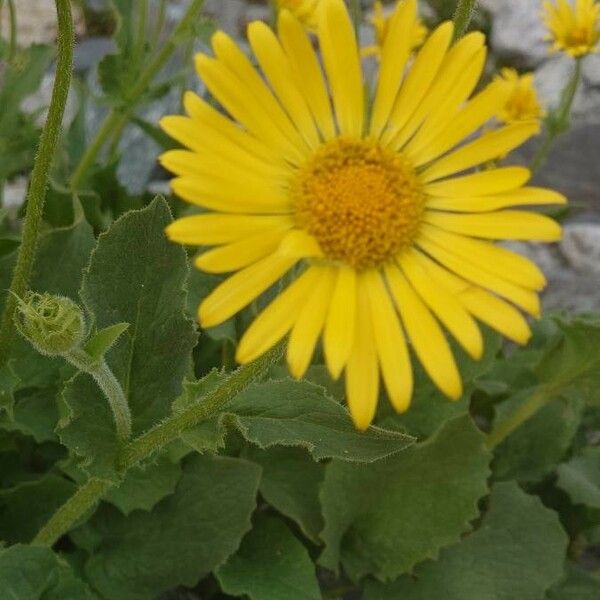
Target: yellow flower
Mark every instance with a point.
(304, 10)
(388, 235)
(523, 103)
(573, 29)
(380, 22)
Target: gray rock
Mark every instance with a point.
(581, 247)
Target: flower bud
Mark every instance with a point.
(53, 324)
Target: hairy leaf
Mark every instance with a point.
(271, 563)
(384, 518)
(580, 478)
(517, 552)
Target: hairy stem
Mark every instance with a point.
(114, 117)
(90, 493)
(12, 39)
(356, 12)
(560, 119)
(109, 385)
(462, 17)
(39, 177)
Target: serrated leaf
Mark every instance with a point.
(580, 478)
(103, 340)
(135, 276)
(534, 449)
(384, 518)
(186, 535)
(271, 563)
(145, 485)
(300, 413)
(517, 552)
(290, 483)
(36, 573)
(27, 506)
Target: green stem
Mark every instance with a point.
(12, 40)
(160, 20)
(111, 387)
(39, 178)
(114, 117)
(158, 437)
(85, 498)
(560, 119)
(462, 17)
(356, 12)
(536, 401)
(140, 42)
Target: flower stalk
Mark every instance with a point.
(91, 492)
(117, 117)
(463, 14)
(557, 121)
(39, 178)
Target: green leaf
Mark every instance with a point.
(517, 553)
(580, 478)
(36, 573)
(27, 506)
(271, 563)
(145, 485)
(137, 276)
(299, 413)
(99, 344)
(534, 449)
(290, 483)
(386, 517)
(577, 585)
(185, 537)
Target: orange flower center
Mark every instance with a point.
(362, 203)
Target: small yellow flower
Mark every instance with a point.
(573, 29)
(381, 24)
(304, 10)
(523, 103)
(380, 218)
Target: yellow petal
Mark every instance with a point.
(390, 342)
(420, 77)
(277, 319)
(362, 373)
(214, 228)
(443, 100)
(310, 322)
(240, 289)
(240, 254)
(307, 71)
(478, 111)
(429, 343)
(522, 297)
(443, 305)
(395, 53)
(276, 67)
(339, 327)
(488, 147)
(479, 203)
(493, 181)
(503, 224)
(300, 244)
(223, 194)
(342, 65)
(483, 305)
(495, 259)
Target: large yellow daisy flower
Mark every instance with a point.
(574, 29)
(388, 236)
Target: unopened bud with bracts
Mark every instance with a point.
(54, 325)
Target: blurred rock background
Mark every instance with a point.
(516, 37)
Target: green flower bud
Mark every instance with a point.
(53, 324)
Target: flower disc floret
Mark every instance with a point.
(361, 202)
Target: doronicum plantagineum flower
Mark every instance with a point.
(381, 24)
(574, 29)
(304, 10)
(385, 230)
(522, 103)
